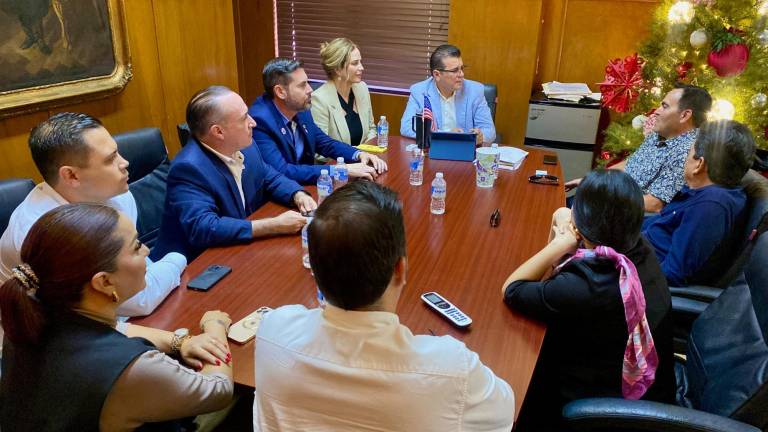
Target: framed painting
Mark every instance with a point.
(55, 52)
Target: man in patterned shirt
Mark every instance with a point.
(657, 165)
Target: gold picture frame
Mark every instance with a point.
(45, 37)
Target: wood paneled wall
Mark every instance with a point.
(177, 47)
(579, 37)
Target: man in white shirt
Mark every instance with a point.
(351, 366)
(79, 162)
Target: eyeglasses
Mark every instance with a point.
(544, 179)
(454, 70)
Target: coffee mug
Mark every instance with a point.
(423, 131)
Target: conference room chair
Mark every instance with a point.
(316, 84)
(725, 265)
(492, 98)
(184, 133)
(723, 383)
(148, 168)
(12, 193)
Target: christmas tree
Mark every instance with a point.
(721, 45)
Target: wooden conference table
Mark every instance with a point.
(457, 254)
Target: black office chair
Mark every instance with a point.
(148, 168)
(723, 384)
(12, 193)
(184, 133)
(491, 96)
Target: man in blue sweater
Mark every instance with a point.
(709, 208)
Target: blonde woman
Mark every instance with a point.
(342, 106)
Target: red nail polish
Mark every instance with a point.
(218, 362)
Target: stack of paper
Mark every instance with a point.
(568, 91)
(511, 157)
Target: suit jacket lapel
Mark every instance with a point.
(219, 165)
(338, 117)
(283, 131)
(309, 144)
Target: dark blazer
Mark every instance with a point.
(272, 137)
(203, 207)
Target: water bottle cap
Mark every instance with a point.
(439, 175)
(340, 159)
(383, 118)
(494, 145)
(323, 172)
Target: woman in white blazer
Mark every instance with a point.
(342, 106)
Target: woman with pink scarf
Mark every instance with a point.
(604, 300)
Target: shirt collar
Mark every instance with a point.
(51, 192)
(685, 137)
(236, 159)
(357, 319)
(285, 119)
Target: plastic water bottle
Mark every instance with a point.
(497, 154)
(324, 185)
(439, 189)
(305, 244)
(383, 131)
(340, 173)
(416, 167)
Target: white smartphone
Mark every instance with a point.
(245, 329)
(446, 309)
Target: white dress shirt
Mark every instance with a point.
(448, 111)
(235, 164)
(336, 370)
(161, 278)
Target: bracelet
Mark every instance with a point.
(223, 324)
(176, 343)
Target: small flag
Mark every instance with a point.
(427, 113)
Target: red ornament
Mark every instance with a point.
(605, 155)
(729, 55)
(623, 80)
(682, 70)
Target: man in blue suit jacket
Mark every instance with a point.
(288, 136)
(219, 178)
(458, 104)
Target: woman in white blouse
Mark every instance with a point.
(68, 365)
(342, 106)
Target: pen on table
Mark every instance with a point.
(431, 332)
(495, 218)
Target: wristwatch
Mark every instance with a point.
(179, 336)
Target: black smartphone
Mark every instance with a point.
(550, 160)
(209, 277)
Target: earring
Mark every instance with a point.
(115, 297)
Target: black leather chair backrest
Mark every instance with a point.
(184, 133)
(491, 96)
(12, 193)
(727, 360)
(148, 168)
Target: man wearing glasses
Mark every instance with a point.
(457, 104)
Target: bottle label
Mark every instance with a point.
(324, 189)
(438, 190)
(341, 175)
(414, 164)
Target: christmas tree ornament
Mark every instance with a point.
(758, 100)
(622, 84)
(699, 38)
(682, 70)
(681, 13)
(656, 91)
(639, 121)
(722, 109)
(762, 37)
(729, 55)
(604, 155)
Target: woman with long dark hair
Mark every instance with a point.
(68, 365)
(606, 305)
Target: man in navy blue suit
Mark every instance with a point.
(219, 178)
(288, 136)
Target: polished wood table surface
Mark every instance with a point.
(458, 254)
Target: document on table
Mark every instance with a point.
(511, 157)
(555, 88)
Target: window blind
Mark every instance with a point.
(395, 37)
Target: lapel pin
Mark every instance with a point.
(282, 130)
